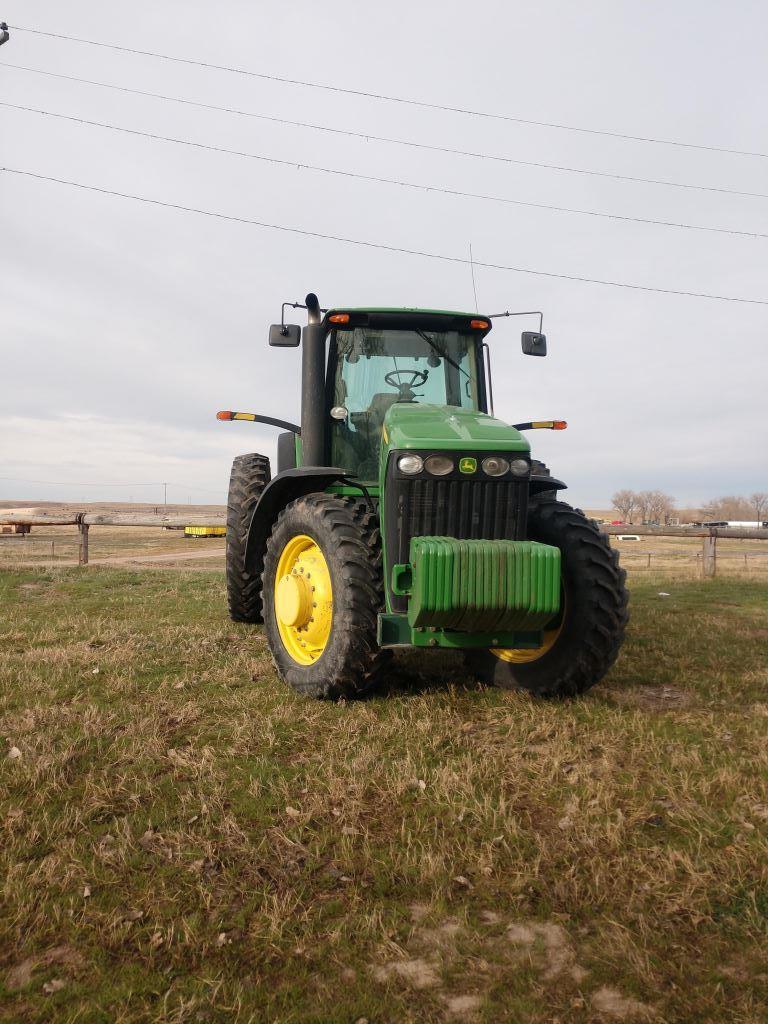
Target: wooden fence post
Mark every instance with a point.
(709, 556)
(82, 555)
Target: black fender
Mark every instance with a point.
(540, 483)
(282, 489)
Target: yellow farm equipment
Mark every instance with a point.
(205, 531)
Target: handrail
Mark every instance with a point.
(108, 519)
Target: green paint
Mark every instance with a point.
(373, 490)
(444, 427)
(481, 585)
(396, 631)
(412, 426)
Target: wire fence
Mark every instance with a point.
(52, 542)
(691, 562)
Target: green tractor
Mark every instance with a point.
(403, 514)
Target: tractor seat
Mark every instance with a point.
(380, 405)
(370, 421)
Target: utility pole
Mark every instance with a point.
(165, 494)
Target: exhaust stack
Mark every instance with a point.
(313, 386)
(314, 314)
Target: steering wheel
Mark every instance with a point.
(405, 387)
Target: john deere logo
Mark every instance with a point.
(468, 465)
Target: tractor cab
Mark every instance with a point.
(381, 358)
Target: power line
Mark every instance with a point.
(407, 101)
(456, 193)
(367, 137)
(385, 247)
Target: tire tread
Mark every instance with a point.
(250, 475)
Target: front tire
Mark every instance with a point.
(582, 643)
(250, 475)
(323, 589)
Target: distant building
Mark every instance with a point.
(736, 524)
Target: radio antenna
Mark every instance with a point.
(472, 267)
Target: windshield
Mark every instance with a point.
(376, 368)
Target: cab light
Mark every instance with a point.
(439, 465)
(339, 318)
(541, 425)
(479, 325)
(410, 464)
(250, 417)
(549, 425)
(495, 466)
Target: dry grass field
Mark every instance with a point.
(184, 840)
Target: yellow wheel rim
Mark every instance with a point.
(303, 599)
(524, 655)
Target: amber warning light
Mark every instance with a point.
(542, 425)
(226, 414)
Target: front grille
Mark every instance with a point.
(467, 508)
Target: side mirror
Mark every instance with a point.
(284, 335)
(534, 344)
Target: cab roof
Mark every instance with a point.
(403, 309)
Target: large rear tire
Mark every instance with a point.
(323, 589)
(250, 475)
(582, 643)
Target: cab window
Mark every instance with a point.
(373, 369)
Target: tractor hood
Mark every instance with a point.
(413, 425)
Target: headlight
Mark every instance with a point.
(519, 467)
(439, 465)
(495, 466)
(410, 464)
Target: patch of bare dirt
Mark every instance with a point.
(463, 1007)
(35, 589)
(169, 557)
(418, 973)
(20, 975)
(549, 948)
(611, 1003)
(418, 911)
(654, 698)
(441, 937)
(433, 946)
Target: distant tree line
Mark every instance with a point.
(658, 507)
(646, 506)
(738, 508)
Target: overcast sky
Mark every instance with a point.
(124, 327)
